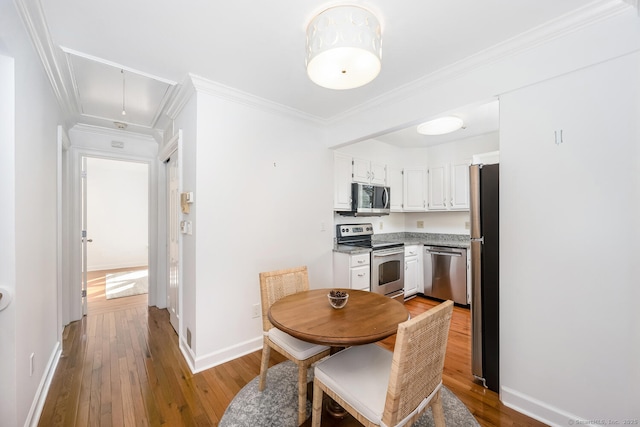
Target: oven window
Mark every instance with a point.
(389, 272)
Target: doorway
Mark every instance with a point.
(115, 215)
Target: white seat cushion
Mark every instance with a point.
(360, 375)
(299, 349)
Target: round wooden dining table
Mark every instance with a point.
(367, 317)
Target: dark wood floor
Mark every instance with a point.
(121, 366)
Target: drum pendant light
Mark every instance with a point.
(344, 47)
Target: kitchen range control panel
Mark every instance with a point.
(351, 230)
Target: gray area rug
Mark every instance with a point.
(277, 405)
(127, 283)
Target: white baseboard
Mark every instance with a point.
(539, 410)
(189, 357)
(33, 417)
(226, 354)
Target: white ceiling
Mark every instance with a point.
(257, 47)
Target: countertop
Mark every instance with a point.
(410, 238)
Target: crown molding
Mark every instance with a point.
(219, 90)
(196, 84)
(32, 16)
(560, 27)
(182, 93)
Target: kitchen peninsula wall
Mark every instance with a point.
(446, 222)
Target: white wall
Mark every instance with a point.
(569, 245)
(117, 214)
(28, 193)
(263, 188)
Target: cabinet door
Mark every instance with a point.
(394, 180)
(410, 276)
(341, 181)
(360, 278)
(414, 190)
(361, 171)
(460, 186)
(437, 188)
(378, 173)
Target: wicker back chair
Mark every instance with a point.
(377, 386)
(275, 285)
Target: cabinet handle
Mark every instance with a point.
(360, 261)
(360, 274)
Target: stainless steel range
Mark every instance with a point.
(387, 258)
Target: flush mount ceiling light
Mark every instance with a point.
(440, 126)
(344, 47)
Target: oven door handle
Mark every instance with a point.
(387, 252)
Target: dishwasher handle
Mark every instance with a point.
(440, 251)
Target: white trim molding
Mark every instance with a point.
(33, 417)
(53, 62)
(539, 410)
(224, 355)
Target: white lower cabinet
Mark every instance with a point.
(412, 270)
(352, 271)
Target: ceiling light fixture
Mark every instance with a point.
(124, 112)
(344, 47)
(440, 126)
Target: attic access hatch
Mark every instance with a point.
(99, 92)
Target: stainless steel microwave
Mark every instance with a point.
(369, 200)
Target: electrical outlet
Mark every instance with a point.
(467, 225)
(256, 311)
(381, 225)
(420, 224)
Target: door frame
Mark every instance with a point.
(73, 249)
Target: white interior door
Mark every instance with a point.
(173, 261)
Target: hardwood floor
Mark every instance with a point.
(121, 366)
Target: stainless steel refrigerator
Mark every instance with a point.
(485, 283)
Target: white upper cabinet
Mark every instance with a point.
(449, 187)
(437, 188)
(368, 172)
(460, 186)
(415, 182)
(394, 181)
(341, 181)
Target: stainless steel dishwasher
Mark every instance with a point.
(445, 273)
